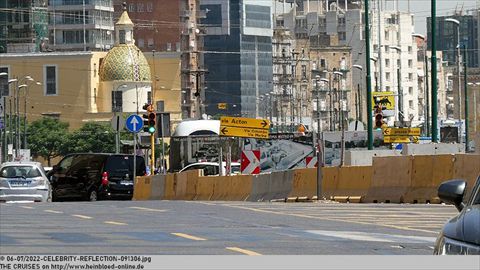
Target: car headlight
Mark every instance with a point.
(447, 246)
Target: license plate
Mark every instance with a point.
(20, 183)
(126, 183)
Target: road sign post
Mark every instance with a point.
(244, 127)
(118, 123)
(134, 124)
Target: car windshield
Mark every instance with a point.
(124, 165)
(20, 172)
(476, 194)
(235, 169)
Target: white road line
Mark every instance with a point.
(244, 251)
(82, 216)
(373, 237)
(115, 223)
(53, 211)
(26, 207)
(187, 236)
(148, 209)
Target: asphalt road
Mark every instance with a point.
(220, 228)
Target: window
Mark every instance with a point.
(150, 42)
(141, 43)
(117, 101)
(387, 62)
(4, 82)
(410, 90)
(149, 7)
(140, 7)
(149, 97)
(304, 72)
(323, 63)
(409, 49)
(410, 63)
(50, 79)
(131, 7)
(410, 76)
(121, 37)
(387, 76)
(410, 104)
(387, 35)
(342, 35)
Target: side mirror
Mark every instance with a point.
(452, 192)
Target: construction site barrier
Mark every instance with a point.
(304, 183)
(142, 188)
(391, 179)
(467, 167)
(157, 187)
(279, 185)
(260, 187)
(241, 185)
(353, 183)
(428, 172)
(329, 181)
(204, 190)
(170, 187)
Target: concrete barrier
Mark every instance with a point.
(304, 183)
(142, 188)
(192, 180)
(467, 167)
(260, 187)
(180, 184)
(353, 183)
(222, 186)
(240, 187)
(391, 179)
(427, 174)
(157, 187)
(170, 186)
(329, 181)
(279, 185)
(204, 190)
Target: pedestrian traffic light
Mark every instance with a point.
(378, 116)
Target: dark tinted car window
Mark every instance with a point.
(124, 165)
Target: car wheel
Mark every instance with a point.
(93, 196)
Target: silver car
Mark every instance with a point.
(24, 181)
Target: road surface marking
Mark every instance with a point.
(82, 216)
(191, 237)
(26, 207)
(53, 211)
(373, 237)
(244, 251)
(148, 209)
(331, 219)
(115, 223)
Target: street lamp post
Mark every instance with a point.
(359, 88)
(465, 83)
(338, 98)
(457, 24)
(368, 77)
(434, 72)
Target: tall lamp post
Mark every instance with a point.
(4, 130)
(368, 77)
(338, 99)
(434, 72)
(457, 24)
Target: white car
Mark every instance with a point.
(212, 168)
(24, 181)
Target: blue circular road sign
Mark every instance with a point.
(134, 123)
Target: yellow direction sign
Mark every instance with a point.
(244, 122)
(401, 132)
(386, 99)
(244, 132)
(396, 139)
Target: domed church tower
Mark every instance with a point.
(124, 72)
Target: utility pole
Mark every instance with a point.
(369, 82)
(467, 148)
(434, 72)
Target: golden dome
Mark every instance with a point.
(125, 62)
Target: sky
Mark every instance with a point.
(421, 9)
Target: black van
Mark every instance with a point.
(94, 176)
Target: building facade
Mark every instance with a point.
(23, 26)
(157, 23)
(447, 33)
(238, 55)
(81, 25)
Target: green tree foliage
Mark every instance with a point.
(92, 137)
(47, 137)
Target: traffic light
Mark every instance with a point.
(152, 119)
(378, 116)
(147, 107)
